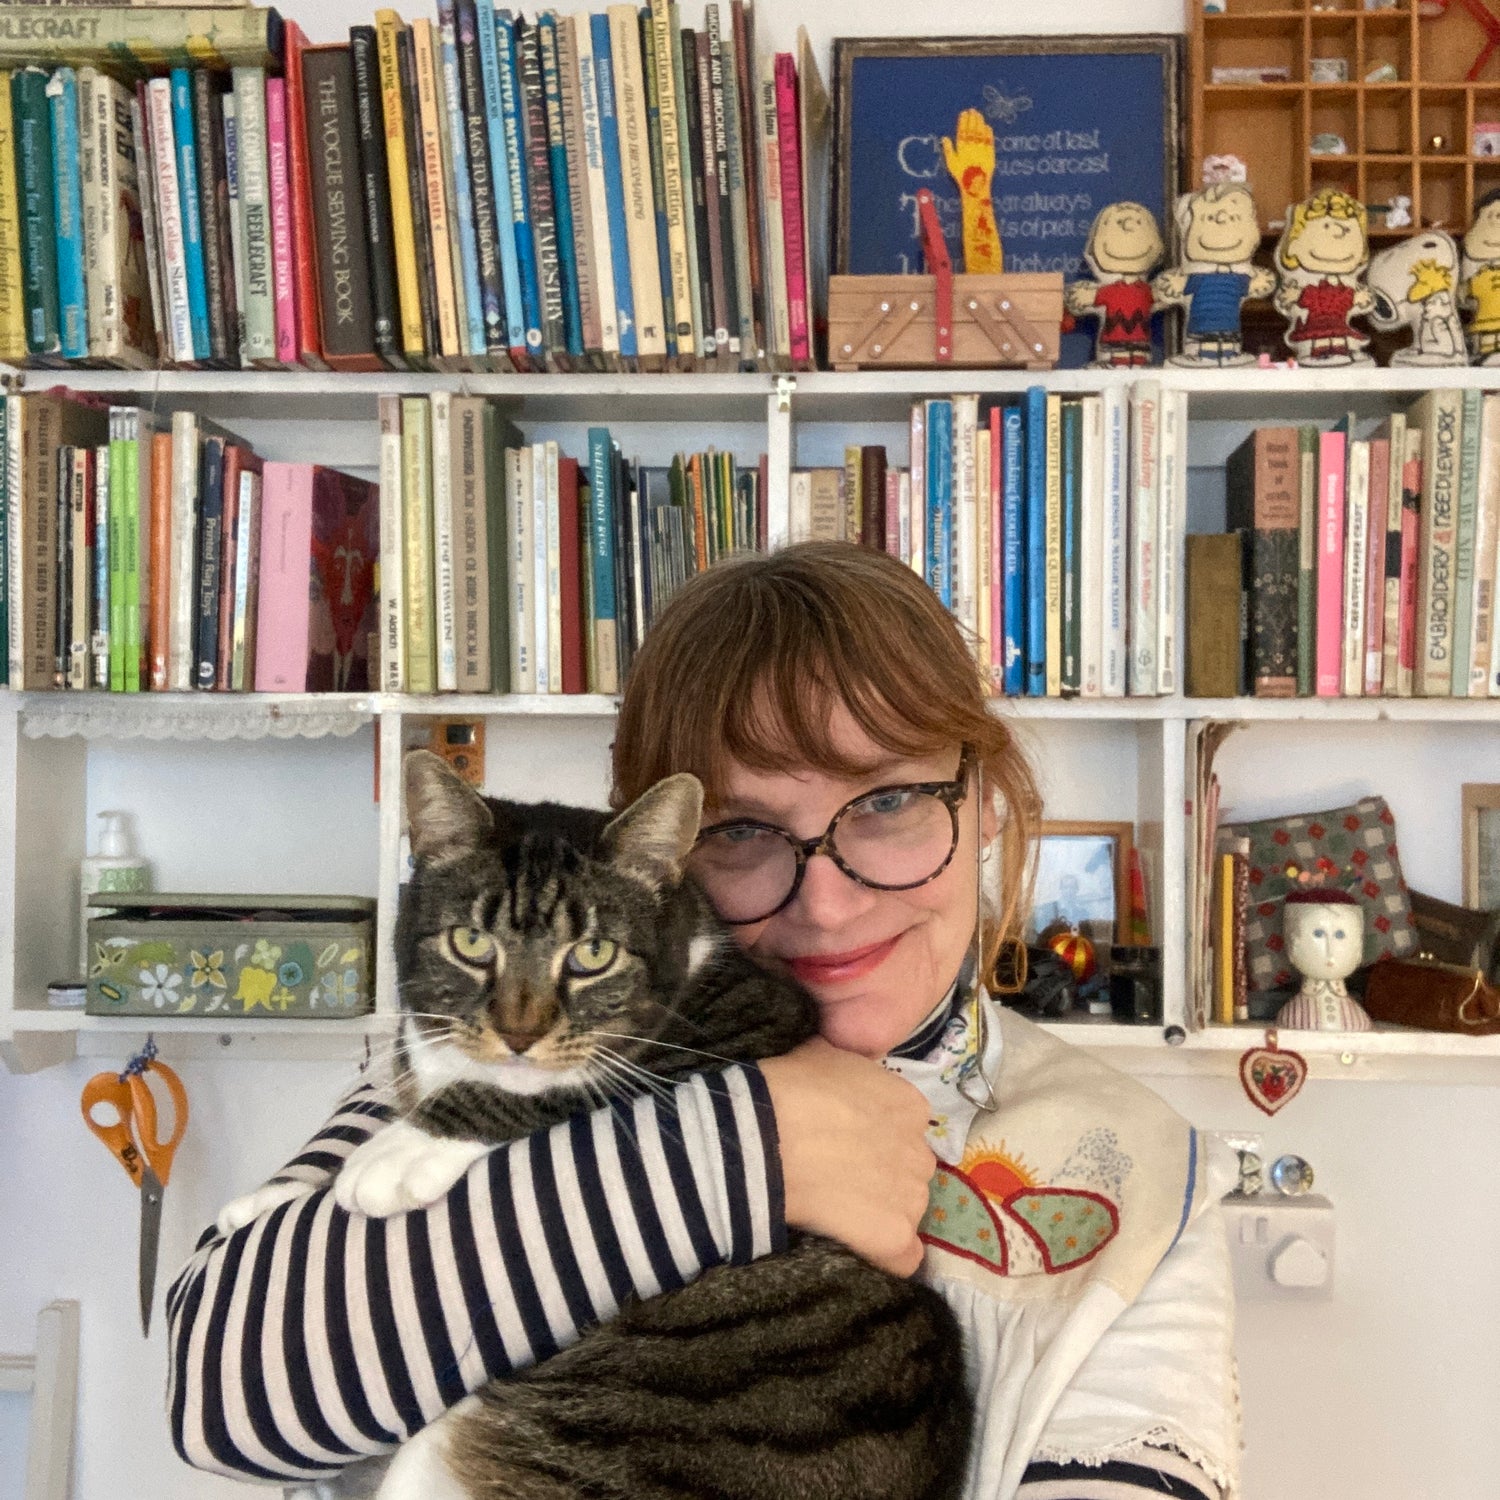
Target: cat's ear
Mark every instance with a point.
(446, 815)
(653, 837)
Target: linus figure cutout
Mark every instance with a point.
(1414, 284)
(1321, 258)
(1123, 251)
(1480, 290)
(1218, 233)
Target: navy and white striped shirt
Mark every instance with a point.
(312, 1337)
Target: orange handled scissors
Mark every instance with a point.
(134, 1139)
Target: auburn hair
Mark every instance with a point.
(751, 657)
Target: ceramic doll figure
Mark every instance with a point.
(1414, 284)
(1480, 291)
(1218, 233)
(1320, 259)
(1325, 940)
(1123, 251)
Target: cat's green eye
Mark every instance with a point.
(590, 957)
(471, 945)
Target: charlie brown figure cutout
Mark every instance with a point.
(1218, 233)
(1480, 292)
(1124, 250)
(971, 163)
(1321, 258)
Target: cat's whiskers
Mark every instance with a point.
(622, 1069)
(625, 1036)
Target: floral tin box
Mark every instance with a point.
(230, 956)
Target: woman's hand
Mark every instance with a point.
(854, 1158)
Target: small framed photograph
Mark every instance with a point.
(1082, 879)
(1330, 70)
(1481, 846)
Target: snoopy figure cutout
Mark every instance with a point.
(1414, 285)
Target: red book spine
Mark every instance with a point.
(791, 210)
(304, 253)
(234, 462)
(995, 562)
(893, 512)
(571, 562)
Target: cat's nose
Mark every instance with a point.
(522, 1019)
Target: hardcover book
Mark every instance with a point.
(1262, 499)
(398, 184)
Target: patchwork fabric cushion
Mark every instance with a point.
(1353, 848)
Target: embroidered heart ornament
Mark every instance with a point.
(1272, 1077)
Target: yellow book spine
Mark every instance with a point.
(12, 308)
(437, 198)
(403, 236)
(1224, 946)
(1054, 546)
(416, 499)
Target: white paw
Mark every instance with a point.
(420, 1469)
(241, 1211)
(401, 1168)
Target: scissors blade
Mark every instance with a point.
(151, 1195)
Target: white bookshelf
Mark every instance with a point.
(61, 753)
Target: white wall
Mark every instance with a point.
(1385, 1392)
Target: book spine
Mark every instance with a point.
(1116, 547)
(1463, 544)
(67, 202)
(1054, 546)
(299, 188)
(1441, 461)
(93, 147)
(798, 316)
(1331, 461)
(375, 195)
(398, 184)
(596, 182)
(940, 500)
(613, 174)
(137, 40)
(159, 551)
(417, 529)
(1391, 555)
(739, 166)
(965, 513)
(213, 194)
(777, 324)
(1307, 560)
(716, 126)
(1012, 518)
(440, 232)
(1375, 534)
(1263, 498)
(392, 615)
(170, 223)
(1411, 530)
(747, 86)
(1356, 523)
(512, 106)
(674, 190)
(602, 560)
(62, 590)
(553, 584)
(16, 552)
(984, 514)
(80, 564)
(230, 106)
(1145, 491)
(416, 192)
(702, 333)
(118, 521)
(1091, 549)
(125, 481)
(444, 564)
(33, 154)
(345, 313)
(471, 556)
(100, 604)
(282, 278)
(891, 512)
(1169, 527)
(652, 148)
(209, 562)
(246, 602)
(475, 119)
(518, 530)
(570, 604)
(255, 215)
(711, 220)
(690, 133)
(1034, 566)
(1486, 528)
(282, 618)
(188, 197)
(917, 450)
(184, 531)
(473, 333)
(503, 183)
(562, 197)
(541, 599)
(554, 327)
(590, 289)
(12, 290)
(468, 358)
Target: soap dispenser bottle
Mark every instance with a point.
(114, 866)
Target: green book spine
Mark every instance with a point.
(496, 538)
(131, 460)
(416, 554)
(1307, 552)
(117, 551)
(33, 128)
(1463, 542)
(138, 41)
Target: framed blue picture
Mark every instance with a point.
(1079, 122)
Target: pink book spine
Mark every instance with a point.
(893, 512)
(1330, 613)
(791, 209)
(1380, 489)
(917, 558)
(281, 622)
(1411, 535)
(995, 562)
(281, 222)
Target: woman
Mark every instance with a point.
(852, 774)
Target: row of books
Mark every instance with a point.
(1355, 565)
(140, 554)
(484, 192)
(523, 569)
(1048, 525)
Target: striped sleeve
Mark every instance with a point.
(313, 1337)
(1158, 1473)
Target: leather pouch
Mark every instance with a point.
(1432, 997)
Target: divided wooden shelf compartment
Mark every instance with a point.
(1413, 136)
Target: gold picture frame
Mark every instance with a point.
(1070, 849)
(1481, 845)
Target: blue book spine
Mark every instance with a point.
(501, 176)
(67, 208)
(940, 499)
(1036, 541)
(192, 223)
(1013, 536)
(562, 197)
(463, 197)
(602, 523)
(520, 196)
(614, 186)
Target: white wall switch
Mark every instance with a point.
(1280, 1247)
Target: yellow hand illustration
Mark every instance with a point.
(971, 163)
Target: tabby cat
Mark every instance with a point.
(530, 940)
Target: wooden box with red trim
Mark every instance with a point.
(993, 322)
